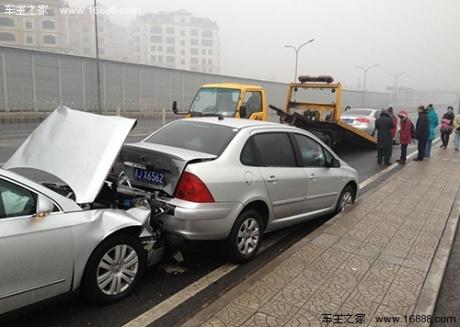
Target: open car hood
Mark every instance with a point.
(75, 146)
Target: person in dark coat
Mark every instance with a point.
(405, 135)
(447, 126)
(394, 120)
(384, 125)
(421, 132)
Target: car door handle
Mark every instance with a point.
(272, 179)
(313, 177)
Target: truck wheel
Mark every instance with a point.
(114, 269)
(246, 236)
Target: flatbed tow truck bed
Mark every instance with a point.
(322, 119)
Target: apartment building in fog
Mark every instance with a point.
(176, 40)
(34, 26)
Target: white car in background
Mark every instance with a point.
(362, 118)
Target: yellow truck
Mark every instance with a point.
(228, 100)
(321, 118)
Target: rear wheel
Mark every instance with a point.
(113, 269)
(246, 236)
(346, 199)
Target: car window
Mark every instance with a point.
(248, 156)
(275, 149)
(15, 201)
(311, 151)
(327, 156)
(253, 103)
(195, 136)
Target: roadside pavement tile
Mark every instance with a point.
(308, 253)
(391, 259)
(369, 251)
(262, 320)
(325, 240)
(233, 314)
(310, 280)
(356, 265)
(319, 304)
(357, 303)
(418, 263)
(330, 260)
(405, 287)
(214, 322)
(305, 319)
(250, 300)
(260, 293)
(347, 244)
(279, 309)
(294, 295)
(339, 286)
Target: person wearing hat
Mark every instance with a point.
(406, 133)
(421, 132)
(383, 125)
(447, 125)
(433, 121)
(394, 121)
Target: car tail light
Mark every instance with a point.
(191, 188)
(362, 120)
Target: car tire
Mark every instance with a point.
(246, 236)
(346, 198)
(373, 132)
(107, 279)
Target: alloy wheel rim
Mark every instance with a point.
(248, 236)
(117, 269)
(347, 201)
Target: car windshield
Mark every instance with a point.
(358, 112)
(195, 136)
(215, 101)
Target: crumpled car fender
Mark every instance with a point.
(100, 225)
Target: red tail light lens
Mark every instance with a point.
(362, 120)
(191, 188)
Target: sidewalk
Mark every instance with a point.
(374, 260)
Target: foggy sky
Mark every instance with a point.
(420, 37)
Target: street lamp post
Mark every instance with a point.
(395, 88)
(365, 70)
(297, 49)
(98, 70)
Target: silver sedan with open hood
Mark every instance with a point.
(80, 232)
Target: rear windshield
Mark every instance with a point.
(195, 136)
(358, 112)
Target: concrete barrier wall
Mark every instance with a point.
(35, 81)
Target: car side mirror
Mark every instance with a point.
(334, 163)
(44, 206)
(243, 112)
(174, 107)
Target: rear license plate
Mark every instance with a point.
(149, 176)
(348, 121)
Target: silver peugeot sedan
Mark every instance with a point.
(56, 238)
(234, 179)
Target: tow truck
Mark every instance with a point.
(228, 100)
(320, 118)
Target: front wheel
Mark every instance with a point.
(246, 236)
(113, 269)
(346, 199)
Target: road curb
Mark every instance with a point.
(428, 297)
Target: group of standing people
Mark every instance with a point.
(424, 132)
